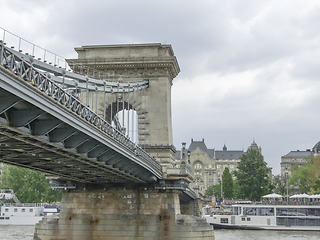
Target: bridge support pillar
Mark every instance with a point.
(126, 214)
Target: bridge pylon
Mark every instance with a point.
(154, 62)
(123, 214)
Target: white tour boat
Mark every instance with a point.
(22, 213)
(265, 217)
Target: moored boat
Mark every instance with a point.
(22, 213)
(265, 217)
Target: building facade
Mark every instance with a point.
(208, 164)
(297, 157)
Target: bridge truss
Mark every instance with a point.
(44, 127)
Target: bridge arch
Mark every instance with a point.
(155, 63)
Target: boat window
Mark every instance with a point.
(258, 211)
(248, 219)
(23, 209)
(243, 219)
(296, 221)
(6, 210)
(291, 212)
(236, 210)
(313, 212)
(249, 211)
(265, 212)
(15, 210)
(302, 212)
(30, 210)
(223, 220)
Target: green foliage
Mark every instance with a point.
(214, 190)
(227, 182)
(300, 177)
(236, 191)
(252, 176)
(307, 177)
(280, 185)
(209, 191)
(28, 185)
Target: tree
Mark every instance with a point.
(280, 184)
(300, 177)
(314, 175)
(307, 177)
(252, 176)
(214, 190)
(28, 185)
(227, 183)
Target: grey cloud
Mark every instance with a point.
(216, 43)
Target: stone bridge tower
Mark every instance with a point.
(158, 64)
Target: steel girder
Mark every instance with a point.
(44, 128)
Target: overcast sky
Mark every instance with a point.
(249, 68)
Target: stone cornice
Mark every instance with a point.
(159, 147)
(147, 65)
(150, 59)
(128, 46)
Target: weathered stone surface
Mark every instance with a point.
(119, 215)
(130, 62)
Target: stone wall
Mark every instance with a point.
(124, 215)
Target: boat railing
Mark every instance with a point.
(23, 205)
(303, 203)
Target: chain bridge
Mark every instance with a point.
(44, 127)
(100, 127)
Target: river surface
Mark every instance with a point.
(26, 233)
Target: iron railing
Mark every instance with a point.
(24, 68)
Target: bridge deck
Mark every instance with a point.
(43, 127)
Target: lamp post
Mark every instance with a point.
(287, 190)
(221, 189)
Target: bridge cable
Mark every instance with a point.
(128, 113)
(123, 108)
(133, 99)
(117, 102)
(104, 100)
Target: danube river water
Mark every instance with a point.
(26, 233)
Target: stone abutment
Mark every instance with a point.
(122, 214)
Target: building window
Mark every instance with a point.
(6, 210)
(197, 166)
(15, 210)
(23, 209)
(218, 174)
(210, 173)
(30, 210)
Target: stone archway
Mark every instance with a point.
(158, 64)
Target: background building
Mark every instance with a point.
(297, 157)
(208, 164)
